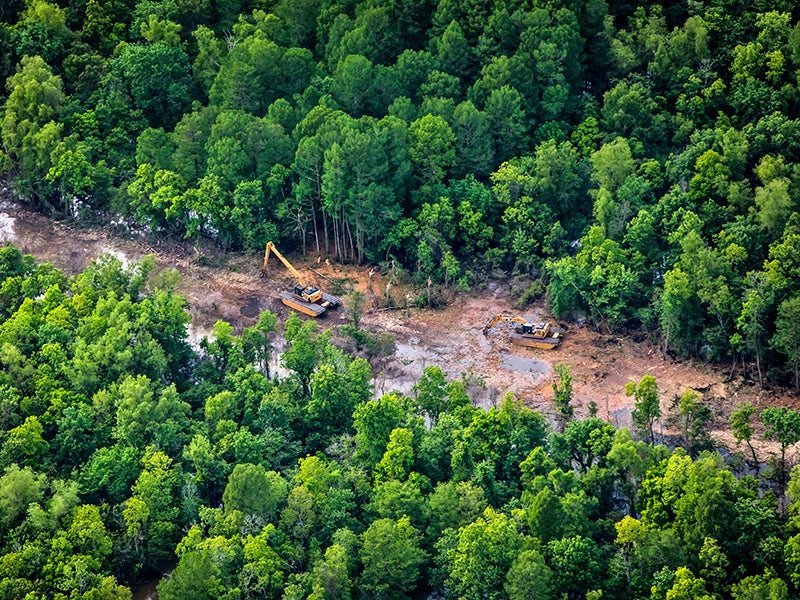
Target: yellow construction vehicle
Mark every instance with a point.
(538, 335)
(305, 298)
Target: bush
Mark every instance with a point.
(363, 341)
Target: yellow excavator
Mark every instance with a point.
(531, 335)
(304, 298)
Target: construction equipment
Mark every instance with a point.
(539, 335)
(304, 298)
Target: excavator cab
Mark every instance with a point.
(541, 329)
(308, 293)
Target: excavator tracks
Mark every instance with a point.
(520, 339)
(298, 304)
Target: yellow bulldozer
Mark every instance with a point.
(531, 335)
(304, 298)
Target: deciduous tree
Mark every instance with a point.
(647, 405)
(392, 558)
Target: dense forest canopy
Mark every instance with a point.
(638, 160)
(125, 450)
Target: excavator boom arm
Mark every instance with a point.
(304, 298)
(540, 335)
(271, 248)
(501, 317)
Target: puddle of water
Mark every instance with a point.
(196, 335)
(7, 228)
(413, 359)
(405, 368)
(523, 364)
(250, 309)
(276, 369)
(116, 253)
(408, 352)
(145, 591)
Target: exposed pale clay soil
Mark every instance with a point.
(227, 286)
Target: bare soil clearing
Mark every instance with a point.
(227, 286)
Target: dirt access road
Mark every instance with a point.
(227, 286)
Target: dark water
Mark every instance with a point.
(146, 591)
(250, 309)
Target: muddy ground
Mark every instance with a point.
(227, 286)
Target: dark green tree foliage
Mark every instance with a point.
(336, 391)
(30, 122)
(584, 444)
(489, 451)
(529, 572)
(577, 563)
(781, 425)
(741, 426)
(118, 459)
(374, 421)
(41, 30)
(156, 77)
(482, 554)
(257, 71)
(695, 418)
(646, 407)
(257, 341)
(254, 491)
(363, 170)
(640, 553)
(562, 394)
(599, 279)
(786, 335)
(643, 158)
(391, 556)
(652, 156)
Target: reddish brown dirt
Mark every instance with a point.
(227, 286)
